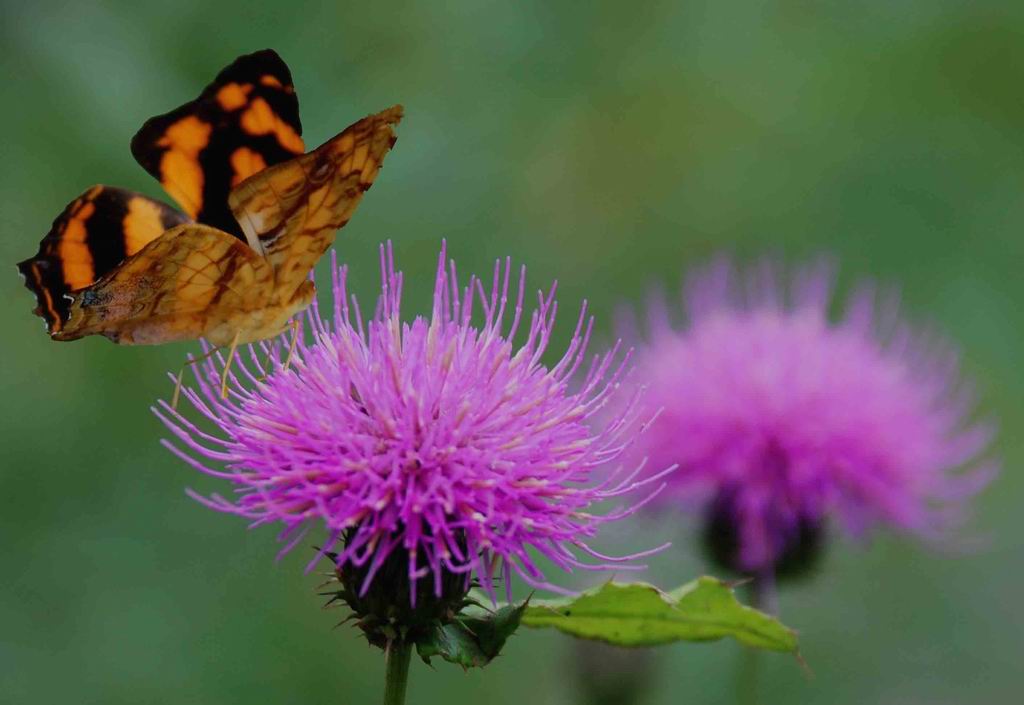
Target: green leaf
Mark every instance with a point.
(638, 614)
(474, 639)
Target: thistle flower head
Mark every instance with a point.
(780, 417)
(438, 445)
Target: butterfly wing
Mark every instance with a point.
(246, 120)
(290, 212)
(130, 268)
(193, 281)
(93, 235)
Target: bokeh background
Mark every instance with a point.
(604, 144)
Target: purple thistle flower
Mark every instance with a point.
(435, 440)
(780, 418)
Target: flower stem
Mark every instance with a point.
(763, 597)
(397, 657)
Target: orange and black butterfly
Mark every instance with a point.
(258, 214)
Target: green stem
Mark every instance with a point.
(609, 675)
(762, 597)
(746, 680)
(397, 657)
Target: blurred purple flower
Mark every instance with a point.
(779, 418)
(435, 438)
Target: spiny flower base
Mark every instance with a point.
(436, 624)
(385, 610)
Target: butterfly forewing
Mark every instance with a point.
(289, 213)
(246, 120)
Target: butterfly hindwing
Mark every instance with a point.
(246, 120)
(94, 234)
(290, 212)
(181, 286)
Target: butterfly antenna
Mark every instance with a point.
(227, 366)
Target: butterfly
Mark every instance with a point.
(257, 213)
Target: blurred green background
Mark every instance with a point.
(607, 145)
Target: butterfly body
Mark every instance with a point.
(136, 271)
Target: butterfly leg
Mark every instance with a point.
(269, 364)
(227, 366)
(181, 373)
(295, 341)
